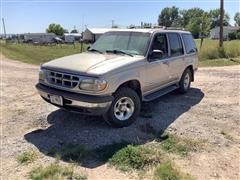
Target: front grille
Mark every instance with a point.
(62, 79)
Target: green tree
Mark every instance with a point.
(187, 15)
(168, 17)
(74, 31)
(237, 18)
(215, 18)
(199, 26)
(55, 28)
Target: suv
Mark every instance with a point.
(119, 71)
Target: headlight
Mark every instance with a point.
(92, 84)
(41, 75)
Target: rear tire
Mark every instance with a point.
(185, 82)
(124, 109)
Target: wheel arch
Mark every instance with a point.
(133, 84)
(190, 67)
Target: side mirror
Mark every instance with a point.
(156, 53)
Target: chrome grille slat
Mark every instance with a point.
(62, 79)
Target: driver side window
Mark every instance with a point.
(160, 45)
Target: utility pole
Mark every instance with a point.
(4, 28)
(221, 24)
(112, 23)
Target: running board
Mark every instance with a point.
(159, 93)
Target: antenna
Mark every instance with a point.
(4, 28)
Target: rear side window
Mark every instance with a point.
(176, 47)
(189, 43)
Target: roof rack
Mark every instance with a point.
(174, 28)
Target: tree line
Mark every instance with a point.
(58, 29)
(196, 20)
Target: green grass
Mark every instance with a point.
(135, 158)
(79, 153)
(210, 49)
(166, 171)
(27, 157)
(37, 54)
(125, 157)
(56, 172)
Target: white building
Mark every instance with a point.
(92, 34)
(214, 33)
(72, 37)
(39, 37)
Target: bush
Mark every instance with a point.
(238, 35)
(232, 35)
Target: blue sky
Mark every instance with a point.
(23, 16)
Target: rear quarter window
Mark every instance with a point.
(189, 43)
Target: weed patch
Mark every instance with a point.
(106, 152)
(80, 154)
(181, 146)
(165, 171)
(56, 172)
(134, 157)
(70, 152)
(27, 157)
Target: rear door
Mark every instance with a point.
(157, 68)
(176, 60)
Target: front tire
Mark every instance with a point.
(185, 82)
(124, 109)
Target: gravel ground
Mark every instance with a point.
(210, 108)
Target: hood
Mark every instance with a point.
(92, 63)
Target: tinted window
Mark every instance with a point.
(160, 43)
(176, 47)
(189, 43)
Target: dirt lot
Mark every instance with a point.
(210, 111)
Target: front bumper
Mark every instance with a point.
(80, 103)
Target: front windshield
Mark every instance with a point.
(134, 43)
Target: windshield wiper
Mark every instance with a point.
(116, 51)
(95, 50)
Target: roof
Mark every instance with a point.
(73, 34)
(39, 34)
(143, 30)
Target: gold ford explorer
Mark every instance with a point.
(122, 69)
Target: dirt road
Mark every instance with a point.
(210, 111)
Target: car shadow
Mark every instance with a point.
(90, 142)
